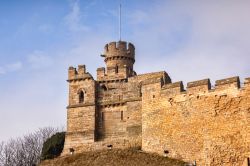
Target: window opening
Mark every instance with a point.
(116, 69)
(104, 87)
(121, 115)
(81, 97)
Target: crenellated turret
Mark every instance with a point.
(119, 59)
(80, 73)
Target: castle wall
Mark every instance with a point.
(122, 109)
(111, 123)
(209, 126)
(80, 127)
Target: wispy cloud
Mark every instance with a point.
(12, 67)
(73, 19)
(39, 59)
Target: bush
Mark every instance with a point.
(53, 146)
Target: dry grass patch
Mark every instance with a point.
(113, 157)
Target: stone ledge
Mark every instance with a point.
(114, 80)
(80, 78)
(80, 105)
(80, 132)
(121, 102)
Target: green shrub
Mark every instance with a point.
(53, 146)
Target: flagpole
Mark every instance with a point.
(120, 20)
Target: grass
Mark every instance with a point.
(114, 157)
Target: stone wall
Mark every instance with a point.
(209, 126)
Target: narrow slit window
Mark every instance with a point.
(121, 115)
(116, 69)
(81, 97)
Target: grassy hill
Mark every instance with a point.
(114, 157)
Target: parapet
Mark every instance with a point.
(204, 86)
(172, 88)
(120, 48)
(232, 82)
(152, 81)
(80, 73)
(247, 81)
(205, 82)
(199, 86)
(178, 85)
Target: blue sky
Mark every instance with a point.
(40, 39)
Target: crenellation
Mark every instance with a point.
(131, 48)
(174, 85)
(72, 72)
(200, 86)
(78, 74)
(112, 46)
(81, 70)
(122, 45)
(101, 73)
(209, 126)
(228, 82)
(152, 81)
(247, 81)
(172, 89)
(205, 82)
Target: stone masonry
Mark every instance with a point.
(209, 126)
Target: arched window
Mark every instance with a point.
(81, 97)
(104, 87)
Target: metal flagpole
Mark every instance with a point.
(120, 20)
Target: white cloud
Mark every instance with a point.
(12, 67)
(73, 19)
(39, 59)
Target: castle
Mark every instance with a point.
(210, 126)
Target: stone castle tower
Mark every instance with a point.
(123, 109)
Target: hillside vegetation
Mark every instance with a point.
(113, 157)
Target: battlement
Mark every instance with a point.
(120, 48)
(79, 73)
(204, 82)
(247, 81)
(199, 86)
(113, 73)
(172, 88)
(233, 81)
